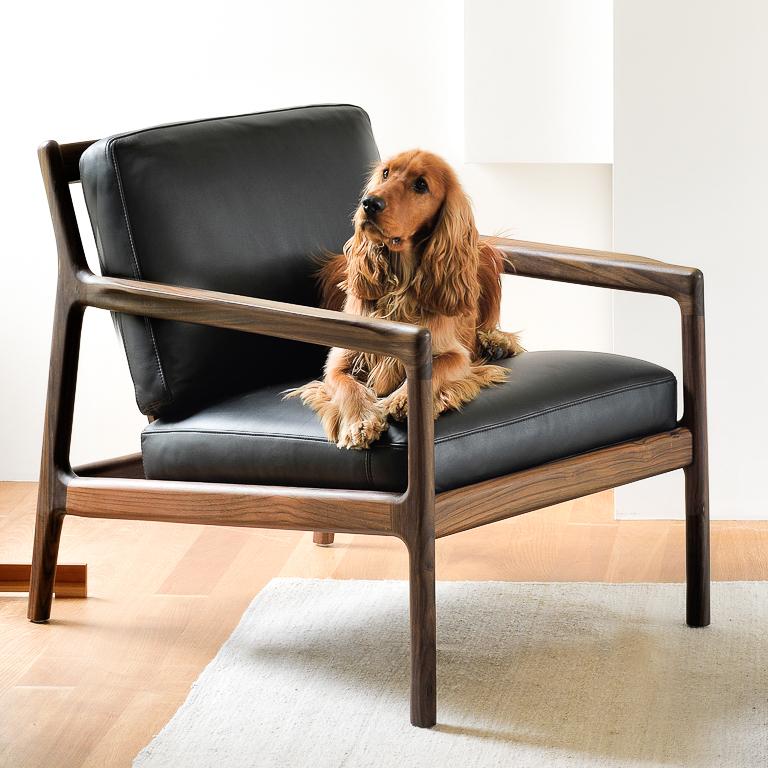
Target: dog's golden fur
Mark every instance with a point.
(418, 259)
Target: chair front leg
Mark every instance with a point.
(417, 527)
(421, 553)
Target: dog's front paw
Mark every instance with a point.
(396, 405)
(361, 432)
(497, 345)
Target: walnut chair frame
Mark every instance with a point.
(117, 489)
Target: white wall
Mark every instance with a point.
(85, 69)
(539, 81)
(691, 186)
(537, 143)
(549, 203)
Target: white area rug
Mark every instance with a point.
(316, 674)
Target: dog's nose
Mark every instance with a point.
(373, 205)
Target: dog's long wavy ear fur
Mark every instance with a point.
(332, 280)
(368, 273)
(447, 283)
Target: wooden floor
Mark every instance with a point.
(93, 686)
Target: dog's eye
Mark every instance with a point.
(420, 185)
(385, 173)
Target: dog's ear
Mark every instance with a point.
(368, 272)
(331, 278)
(447, 281)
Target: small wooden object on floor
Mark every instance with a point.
(70, 580)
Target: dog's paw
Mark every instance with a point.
(396, 405)
(360, 433)
(498, 345)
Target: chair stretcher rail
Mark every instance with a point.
(563, 480)
(230, 504)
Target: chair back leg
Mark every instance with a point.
(697, 473)
(55, 468)
(697, 545)
(54, 461)
(44, 557)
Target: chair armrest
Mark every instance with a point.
(603, 269)
(409, 343)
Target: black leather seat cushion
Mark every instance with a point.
(553, 405)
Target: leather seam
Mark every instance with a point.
(232, 433)
(141, 131)
(117, 316)
(121, 333)
(148, 324)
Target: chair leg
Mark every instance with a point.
(423, 633)
(322, 539)
(54, 464)
(697, 473)
(44, 557)
(697, 544)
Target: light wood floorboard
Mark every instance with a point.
(94, 685)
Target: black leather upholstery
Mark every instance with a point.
(554, 404)
(245, 205)
(238, 204)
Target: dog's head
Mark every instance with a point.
(414, 231)
(403, 198)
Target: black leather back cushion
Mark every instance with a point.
(240, 204)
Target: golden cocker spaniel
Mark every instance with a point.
(415, 257)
